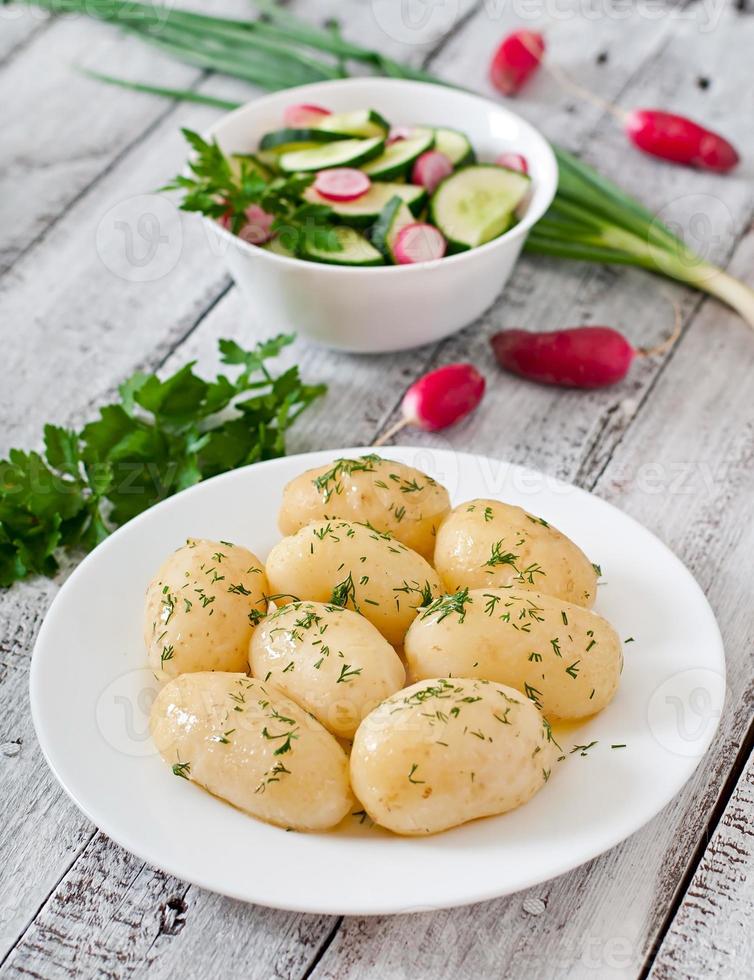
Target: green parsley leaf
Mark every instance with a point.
(163, 436)
(224, 189)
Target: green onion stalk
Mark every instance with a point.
(591, 219)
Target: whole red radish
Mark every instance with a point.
(576, 357)
(342, 183)
(671, 137)
(662, 134)
(430, 169)
(513, 161)
(439, 399)
(302, 116)
(516, 59)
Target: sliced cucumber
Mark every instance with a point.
(253, 164)
(395, 215)
(278, 248)
(270, 159)
(455, 146)
(341, 153)
(284, 140)
(355, 250)
(366, 209)
(395, 160)
(363, 122)
(474, 205)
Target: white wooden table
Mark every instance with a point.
(88, 295)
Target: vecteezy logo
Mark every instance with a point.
(707, 226)
(415, 21)
(684, 711)
(140, 239)
(123, 712)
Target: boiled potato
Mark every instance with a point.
(350, 564)
(390, 496)
(486, 543)
(201, 607)
(445, 751)
(247, 743)
(331, 661)
(567, 659)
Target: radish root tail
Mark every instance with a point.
(566, 82)
(390, 432)
(670, 340)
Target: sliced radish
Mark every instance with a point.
(430, 169)
(513, 161)
(399, 133)
(258, 227)
(418, 242)
(302, 116)
(342, 183)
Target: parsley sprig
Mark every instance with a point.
(225, 188)
(161, 437)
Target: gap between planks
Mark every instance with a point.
(726, 793)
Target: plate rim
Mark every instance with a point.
(103, 823)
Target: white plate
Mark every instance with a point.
(90, 697)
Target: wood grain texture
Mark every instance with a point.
(113, 916)
(711, 936)
(107, 913)
(19, 25)
(62, 129)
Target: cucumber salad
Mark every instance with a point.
(380, 195)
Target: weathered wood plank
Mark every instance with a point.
(125, 275)
(32, 804)
(711, 934)
(113, 916)
(62, 130)
(19, 25)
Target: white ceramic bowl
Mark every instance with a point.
(387, 307)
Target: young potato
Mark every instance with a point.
(331, 661)
(485, 543)
(390, 496)
(446, 751)
(565, 658)
(247, 743)
(350, 564)
(201, 607)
